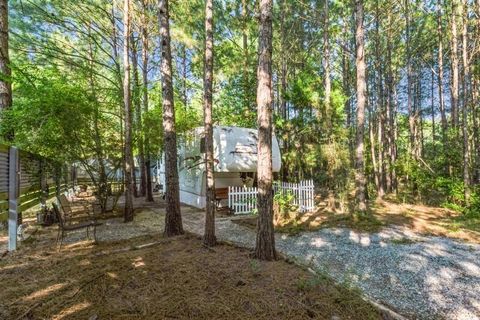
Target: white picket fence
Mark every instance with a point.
(243, 200)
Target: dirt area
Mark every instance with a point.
(417, 218)
(151, 277)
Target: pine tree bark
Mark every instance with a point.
(419, 119)
(5, 85)
(410, 103)
(209, 236)
(138, 120)
(360, 182)
(465, 100)
(373, 155)
(380, 107)
(391, 112)
(5, 72)
(265, 242)
(432, 113)
(118, 75)
(346, 83)
(184, 76)
(454, 60)
(283, 80)
(476, 112)
(148, 172)
(326, 67)
(441, 102)
(476, 131)
(246, 84)
(173, 217)
(128, 210)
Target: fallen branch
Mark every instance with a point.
(23, 315)
(426, 165)
(208, 248)
(86, 284)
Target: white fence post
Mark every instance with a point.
(13, 195)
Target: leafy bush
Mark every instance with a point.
(284, 201)
(473, 210)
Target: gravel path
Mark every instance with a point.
(420, 277)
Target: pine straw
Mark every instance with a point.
(172, 278)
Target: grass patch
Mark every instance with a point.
(363, 223)
(463, 223)
(292, 228)
(402, 241)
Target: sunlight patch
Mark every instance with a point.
(71, 310)
(44, 292)
(471, 268)
(319, 242)
(138, 262)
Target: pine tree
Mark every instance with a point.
(209, 236)
(173, 217)
(265, 244)
(129, 166)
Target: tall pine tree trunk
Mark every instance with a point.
(148, 172)
(138, 121)
(465, 100)
(441, 101)
(360, 182)
(410, 103)
(209, 236)
(5, 73)
(326, 68)
(432, 112)
(246, 85)
(380, 107)
(118, 75)
(476, 131)
(346, 86)
(454, 61)
(184, 58)
(173, 217)
(391, 112)
(128, 210)
(265, 243)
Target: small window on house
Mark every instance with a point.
(202, 145)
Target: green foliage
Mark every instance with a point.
(284, 200)
(49, 115)
(472, 211)
(452, 190)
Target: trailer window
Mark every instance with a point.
(202, 145)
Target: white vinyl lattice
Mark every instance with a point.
(243, 200)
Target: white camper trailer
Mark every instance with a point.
(235, 156)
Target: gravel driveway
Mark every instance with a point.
(418, 276)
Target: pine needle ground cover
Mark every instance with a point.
(174, 278)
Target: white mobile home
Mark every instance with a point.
(235, 156)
